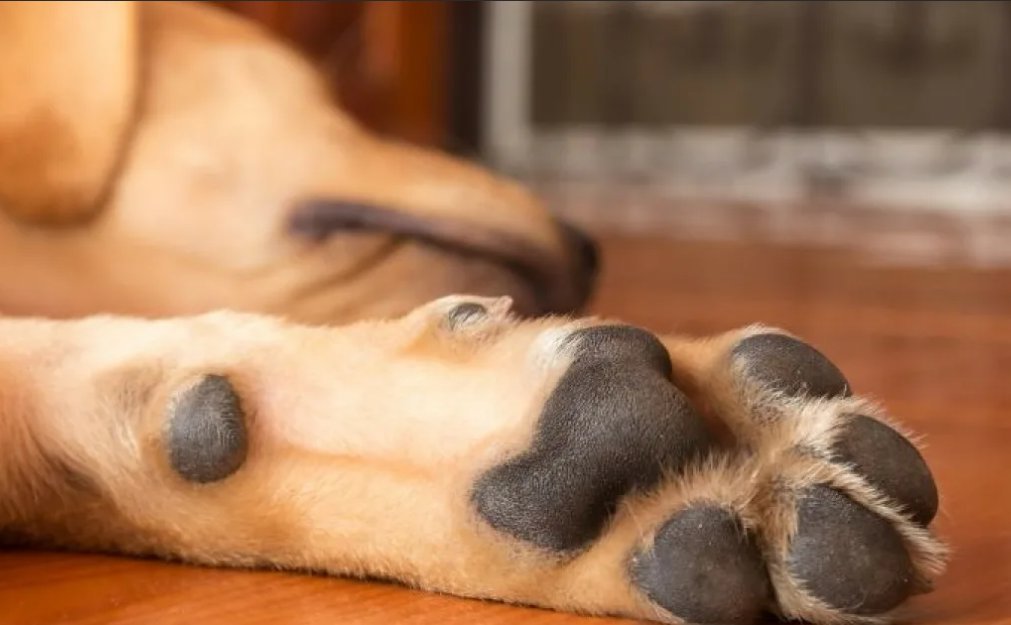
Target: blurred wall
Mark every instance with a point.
(395, 65)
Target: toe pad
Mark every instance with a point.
(704, 567)
(791, 366)
(847, 556)
(890, 463)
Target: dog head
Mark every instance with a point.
(205, 166)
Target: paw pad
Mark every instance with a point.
(465, 314)
(790, 366)
(206, 435)
(847, 556)
(704, 567)
(613, 423)
(890, 463)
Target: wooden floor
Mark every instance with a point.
(933, 343)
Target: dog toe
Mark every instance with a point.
(848, 557)
(790, 366)
(704, 567)
(890, 463)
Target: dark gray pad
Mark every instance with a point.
(613, 423)
(890, 463)
(704, 568)
(206, 436)
(847, 556)
(793, 367)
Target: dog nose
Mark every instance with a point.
(585, 260)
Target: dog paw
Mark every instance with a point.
(569, 464)
(817, 510)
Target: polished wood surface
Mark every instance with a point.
(931, 342)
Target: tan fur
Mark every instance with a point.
(365, 441)
(189, 136)
(68, 104)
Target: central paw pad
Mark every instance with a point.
(613, 424)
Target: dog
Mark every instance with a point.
(331, 421)
(171, 159)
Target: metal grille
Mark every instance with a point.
(892, 104)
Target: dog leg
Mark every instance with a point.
(553, 462)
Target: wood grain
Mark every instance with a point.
(933, 343)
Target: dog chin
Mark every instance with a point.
(388, 290)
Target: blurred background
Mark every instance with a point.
(763, 120)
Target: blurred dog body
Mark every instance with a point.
(170, 158)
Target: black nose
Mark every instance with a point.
(585, 260)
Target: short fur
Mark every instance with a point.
(364, 445)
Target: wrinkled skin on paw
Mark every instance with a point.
(563, 463)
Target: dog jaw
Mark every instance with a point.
(235, 136)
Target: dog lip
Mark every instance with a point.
(560, 284)
(319, 218)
